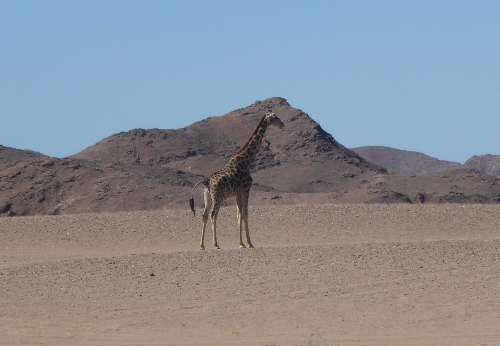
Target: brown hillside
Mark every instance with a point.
(10, 156)
(206, 145)
(406, 162)
(53, 186)
(302, 158)
(489, 164)
(456, 186)
(151, 169)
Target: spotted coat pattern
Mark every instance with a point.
(234, 180)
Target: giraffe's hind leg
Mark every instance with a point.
(215, 211)
(208, 206)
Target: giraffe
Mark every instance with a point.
(234, 180)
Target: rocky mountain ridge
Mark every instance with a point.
(412, 162)
(151, 169)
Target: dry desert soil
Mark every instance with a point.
(396, 274)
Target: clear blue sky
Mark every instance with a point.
(414, 75)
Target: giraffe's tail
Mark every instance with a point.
(191, 200)
(191, 204)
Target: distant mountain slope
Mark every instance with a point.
(489, 164)
(454, 186)
(291, 158)
(151, 169)
(47, 185)
(148, 169)
(406, 162)
(411, 162)
(10, 156)
(303, 140)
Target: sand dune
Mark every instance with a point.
(319, 275)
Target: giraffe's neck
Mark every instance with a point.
(247, 154)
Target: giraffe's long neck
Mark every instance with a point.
(249, 151)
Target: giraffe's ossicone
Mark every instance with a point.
(234, 180)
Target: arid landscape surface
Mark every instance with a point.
(356, 274)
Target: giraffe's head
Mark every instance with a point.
(274, 120)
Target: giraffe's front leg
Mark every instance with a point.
(240, 220)
(244, 215)
(247, 232)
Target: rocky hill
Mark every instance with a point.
(303, 158)
(11, 157)
(412, 162)
(206, 145)
(151, 169)
(406, 162)
(489, 164)
(56, 186)
(148, 169)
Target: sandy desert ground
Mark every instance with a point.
(319, 275)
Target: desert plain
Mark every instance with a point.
(353, 274)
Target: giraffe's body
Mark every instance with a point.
(234, 180)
